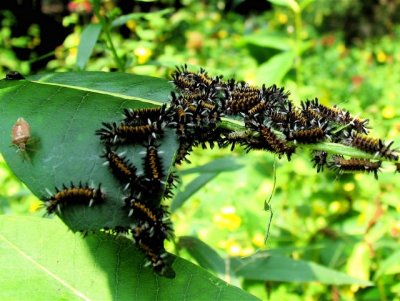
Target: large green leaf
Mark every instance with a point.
(149, 89)
(41, 260)
(64, 111)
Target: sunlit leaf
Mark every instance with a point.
(274, 70)
(41, 260)
(292, 4)
(266, 267)
(389, 266)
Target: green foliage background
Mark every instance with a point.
(349, 223)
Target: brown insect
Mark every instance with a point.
(21, 133)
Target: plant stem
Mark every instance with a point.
(106, 31)
(298, 24)
(333, 148)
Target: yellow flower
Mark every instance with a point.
(318, 207)
(227, 219)
(389, 112)
(258, 240)
(338, 207)
(232, 247)
(143, 54)
(282, 18)
(341, 48)
(334, 206)
(131, 24)
(222, 34)
(381, 57)
(348, 187)
(234, 250)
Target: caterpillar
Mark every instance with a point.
(185, 147)
(311, 135)
(268, 140)
(14, 75)
(82, 194)
(373, 146)
(354, 165)
(319, 159)
(152, 166)
(150, 227)
(340, 116)
(142, 116)
(111, 133)
(237, 137)
(159, 259)
(123, 170)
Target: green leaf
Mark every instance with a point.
(146, 88)
(389, 266)
(217, 165)
(275, 69)
(121, 20)
(136, 16)
(41, 260)
(273, 41)
(266, 267)
(64, 118)
(305, 3)
(292, 4)
(359, 262)
(88, 40)
(182, 196)
(205, 256)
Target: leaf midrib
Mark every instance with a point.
(44, 269)
(79, 88)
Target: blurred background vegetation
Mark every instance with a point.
(344, 52)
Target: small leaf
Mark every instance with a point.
(217, 165)
(182, 196)
(121, 20)
(273, 41)
(389, 266)
(88, 40)
(359, 262)
(275, 69)
(206, 257)
(292, 4)
(41, 260)
(266, 267)
(305, 3)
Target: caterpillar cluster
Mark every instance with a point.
(150, 224)
(271, 123)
